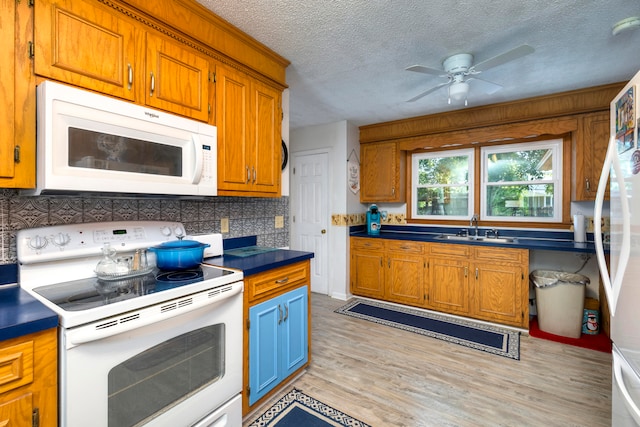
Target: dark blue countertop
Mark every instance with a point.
(525, 239)
(259, 263)
(22, 314)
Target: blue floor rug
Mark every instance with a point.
(296, 409)
(480, 336)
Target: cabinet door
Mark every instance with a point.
(18, 97)
(449, 285)
(405, 276)
(295, 332)
(232, 121)
(87, 45)
(176, 78)
(381, 173)
(17, 412)
(264, 362)
(591, 150)
(266, 145)
(367, 273)
(498, 293)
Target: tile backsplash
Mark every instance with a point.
(248, 216)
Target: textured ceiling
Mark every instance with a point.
(348, 57)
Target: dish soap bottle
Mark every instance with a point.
(107, 265)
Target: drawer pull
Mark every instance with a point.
(281, 281)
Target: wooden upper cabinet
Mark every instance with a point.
(86, 45)
(177, 78)
(17, 96)
(248, 118)
(267, 137)
(382, 173)
(591, 142)
(232, 121)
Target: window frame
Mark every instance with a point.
(567, 150)
(556, 145)
(415, 159)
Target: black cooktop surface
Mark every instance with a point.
(84, 294)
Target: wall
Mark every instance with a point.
(247, 216)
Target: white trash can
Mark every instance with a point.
(559, 301)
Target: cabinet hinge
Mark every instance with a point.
(16, 154)
(32, 50)
(35, 417)
(248, 391)
(294, 171)
(248, 323)
(31, 3)
(212, 77)
(209, 109)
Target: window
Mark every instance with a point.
(443, 185)
(518, 182)
(522, 182)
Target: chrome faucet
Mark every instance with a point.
(474, 220)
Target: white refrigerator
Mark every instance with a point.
(621, 278)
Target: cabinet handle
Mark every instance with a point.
(476, 273)
(286, 312)
(248, 175)
(254, 174)
(393, 191)
(129, 76)
(281, 281)
(279, 314)
(587, 184)
(466, 271)
(153, 84)
(389, 262)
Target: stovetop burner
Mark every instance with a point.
(92, 292)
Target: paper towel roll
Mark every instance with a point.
(579, 229)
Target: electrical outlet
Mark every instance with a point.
(224, 225)
(279, 221)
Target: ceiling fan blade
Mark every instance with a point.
(485, 85)
(427, 92)
(516, 53)
(426, 70)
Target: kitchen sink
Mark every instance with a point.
(477, 238)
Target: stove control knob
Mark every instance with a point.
(166, 231)
(37, 242)
(61, 239)
(179, 232)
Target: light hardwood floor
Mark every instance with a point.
(389, 377)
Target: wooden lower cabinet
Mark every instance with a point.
(29, 380)
(277, 337)
(405, 272)
(501, 290)
(481, 282)
(367, 267)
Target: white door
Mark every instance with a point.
(310, 213)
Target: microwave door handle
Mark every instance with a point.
(199, 159)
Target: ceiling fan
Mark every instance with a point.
(460, 70)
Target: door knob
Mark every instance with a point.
(323, 231)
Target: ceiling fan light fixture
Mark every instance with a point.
(627, 24)
(458, 91)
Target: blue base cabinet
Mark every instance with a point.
(278, 340)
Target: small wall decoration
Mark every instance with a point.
(353, 172)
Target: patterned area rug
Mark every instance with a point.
(489, 338)
(296, 409)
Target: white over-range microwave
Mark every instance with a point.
(88, 142)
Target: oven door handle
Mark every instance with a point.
(146, 316)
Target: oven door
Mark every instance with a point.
(175, 371)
